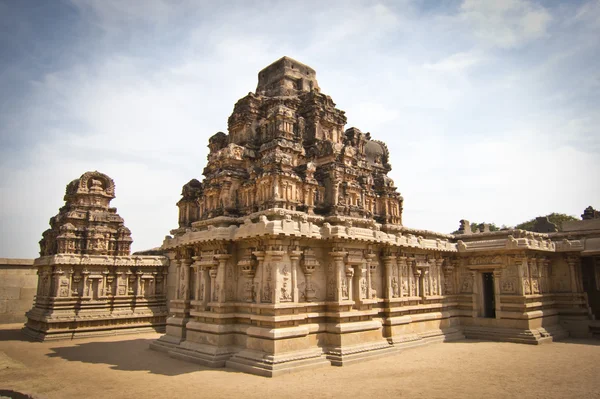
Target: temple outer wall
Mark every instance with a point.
(18, 284)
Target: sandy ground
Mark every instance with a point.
(124, 367)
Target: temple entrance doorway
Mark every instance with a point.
(489, 304)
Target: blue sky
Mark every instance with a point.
(491, 109)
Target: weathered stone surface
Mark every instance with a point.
(291, 252)
(88, 283)
(18, 280)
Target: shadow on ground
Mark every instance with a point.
(14, 395)
(130, 355)
(14, 332)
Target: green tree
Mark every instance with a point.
(556, 218)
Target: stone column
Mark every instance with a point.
(86, 292)
(497, 277)
(57, 273)
(104, 292)
(371, 267)
(389, 263)
(260, 257)
(475, 295)
(178, 292)
(338, 260)
(523, 284)
(402, 267)
(349, 275)
(205, 286)
(138, 283)
(222, 259)
(439, 262)
(185, 278)
(448, 281)
(572, 262)
(214, 292)
(295, 256)
(196, 267)
(419, 291)
(430, 274)
(272, 287)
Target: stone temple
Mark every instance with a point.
(88, 284)
(291, 252)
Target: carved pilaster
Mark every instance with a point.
(339, 273)
(260, 258)
(403, 276)
(220, 284)
(497, 298)
(273, 288)
(371, 267)
(573, 262)
(391, 283)
(309, 265)
(295, 257)
(197, 276)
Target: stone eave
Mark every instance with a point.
(101, 260)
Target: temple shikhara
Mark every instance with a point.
(291, 253)
(88, 284)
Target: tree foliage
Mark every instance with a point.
(556, 218)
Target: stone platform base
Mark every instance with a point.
(533, 336)
(78, 333)
(259, 363)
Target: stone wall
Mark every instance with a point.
(18, 283)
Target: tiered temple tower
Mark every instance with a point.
(291, 252)
(88, 283)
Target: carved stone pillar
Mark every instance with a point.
(439, 262)
(524, 285)
(272, 287)
(86, 292)
(260, 257)
(138, 283)
(57, 273)
(403, 276)
(185, 278)
(419, 289)
(205, 286)
(220, 285)
(105, 290)
(429, 273)
(572, 262)
(295, 257)
(309, 265)
(339, 272)
(247, 266)
(371, 267)
(448, 286)
(389, 263)
(214, 289)
(196, 267)
(498, 307)
(177, 262)
(475, 295)
(349, 275)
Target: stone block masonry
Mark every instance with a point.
(291, 252)
(18, 282)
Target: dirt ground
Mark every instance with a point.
(124, 367)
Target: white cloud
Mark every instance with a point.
(456, 62)
(505, 23)
(471, 134)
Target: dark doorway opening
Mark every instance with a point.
(489, 302)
